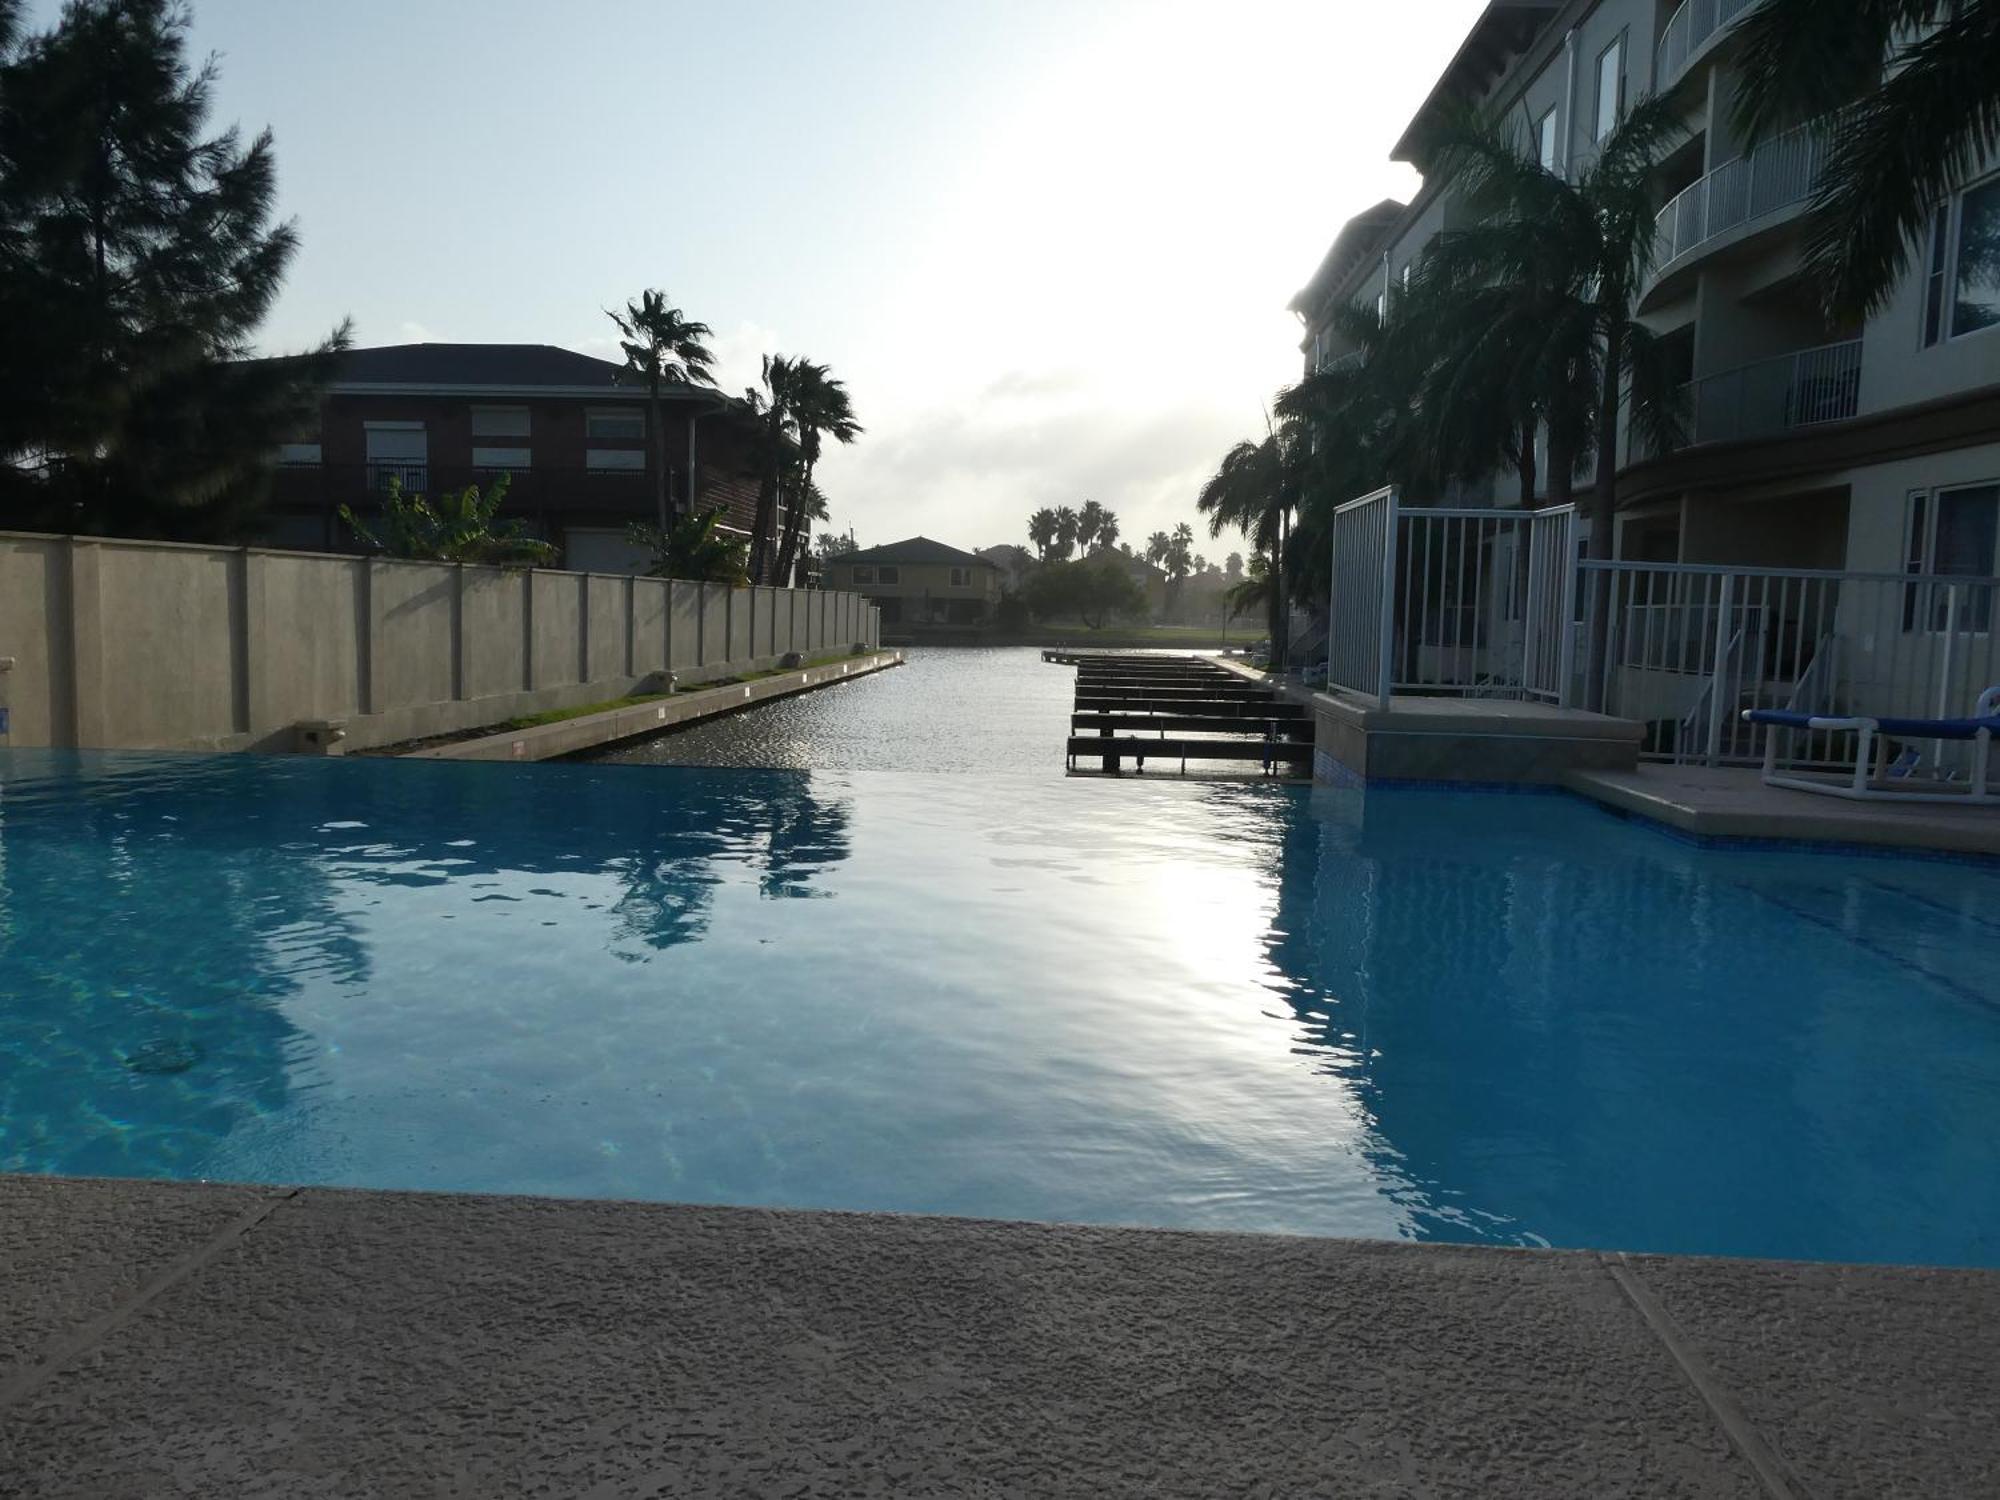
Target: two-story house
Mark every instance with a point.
(572, 433)
(919, 582)
(1871, 444)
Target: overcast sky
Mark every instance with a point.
(1047, 243)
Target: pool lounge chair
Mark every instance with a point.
(1870, 734)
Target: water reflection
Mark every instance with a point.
(161, 917)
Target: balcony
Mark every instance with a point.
(1781, 172)
(1775, 396)
(1690, 29)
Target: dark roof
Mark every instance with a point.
(1359, 238)
(916, 549)
(1504, 30)
(516, 366)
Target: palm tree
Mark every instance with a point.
(668, 348)
(1158, 545)
(777, 449)
(820, 410)
(1089, 522)
(1558, 265)
(1043, 528)
(1179, 562)
(1068, 524)
(1901, 144)
(1253, 490)
(1107, 529)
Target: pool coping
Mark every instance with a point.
(223, 1340)
(636, 720)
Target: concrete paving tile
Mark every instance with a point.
(389, 1344)
(1869, 1381)
(71, 1251)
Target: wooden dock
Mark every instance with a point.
(1179, 708)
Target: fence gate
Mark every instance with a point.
(1359, 640)
(1551, 604)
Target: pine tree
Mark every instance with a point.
(137, 257)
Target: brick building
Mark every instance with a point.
(572, 431)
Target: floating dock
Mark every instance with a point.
(1179, 708)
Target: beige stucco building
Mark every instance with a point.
(921, 582)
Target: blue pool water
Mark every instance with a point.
(1448, 1015)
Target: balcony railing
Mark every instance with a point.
(1776, 395)
(1689, 29)
(1781, 171)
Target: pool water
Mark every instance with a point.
(1230, 1005)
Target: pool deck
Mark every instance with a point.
(1733, 803)
(170, 1339)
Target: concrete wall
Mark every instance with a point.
(156, 645)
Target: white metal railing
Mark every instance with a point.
(1779, 171)
(1438, 601)
(1364, 554)
(1684, 648)
(1776, 395)
(1688, 31)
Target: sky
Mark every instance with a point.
(1048, 244)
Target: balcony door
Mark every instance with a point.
(399, 451)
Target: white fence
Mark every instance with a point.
(1688, 29)
(1434, 601)
(1468, 603)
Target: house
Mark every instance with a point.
(921, 582)
(1152, 581)
(1870, 445)
(571, 431)
(1016, 565)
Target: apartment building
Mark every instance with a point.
(571, 432)
(1869, 446)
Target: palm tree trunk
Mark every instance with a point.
(1603, 508)
(1279, 611)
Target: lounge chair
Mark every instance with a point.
(1871, 735)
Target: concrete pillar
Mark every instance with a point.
(86, 646)
(459, 644)
(368, 675)
(250, 622)
(583, 627)
(631, 624)
(527, 630)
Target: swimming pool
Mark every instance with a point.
(1431, 1015)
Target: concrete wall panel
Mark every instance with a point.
(34, 630)
(607, 627)
(171, 657)
(413, 608)
(649, 625)
(741, 602)
(715, 625)
(558, 621)
(306, 619)
(492, 614)
(685, 636)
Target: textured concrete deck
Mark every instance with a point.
(160, 1339)
(1731, 802)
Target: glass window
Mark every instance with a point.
(499, 421)
(1975, 298)
(614, 458)
(1954, 533)
(1934, 275)
(1545, 140)
(1610, 88)
(863, 574)
(500, 458)
(961, 578)
(614, 422)
(888, 575)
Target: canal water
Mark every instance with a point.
(946, 709)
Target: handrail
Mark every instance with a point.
(1688, 29)
(1800, 389)
(1779, 171)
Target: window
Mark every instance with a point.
(1545, 140)
(500, 458)
(499, 421)
(961, 578)
(863, 574)
(1953, 533)
(1610, 88)
(398, 451)
(1934, 275)
(614, 422)
(888, 575)
(1975, 292)
(295, 455)
(625, 460)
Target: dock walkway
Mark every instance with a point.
(1179, 708)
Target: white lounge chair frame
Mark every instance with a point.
(1863, 785)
